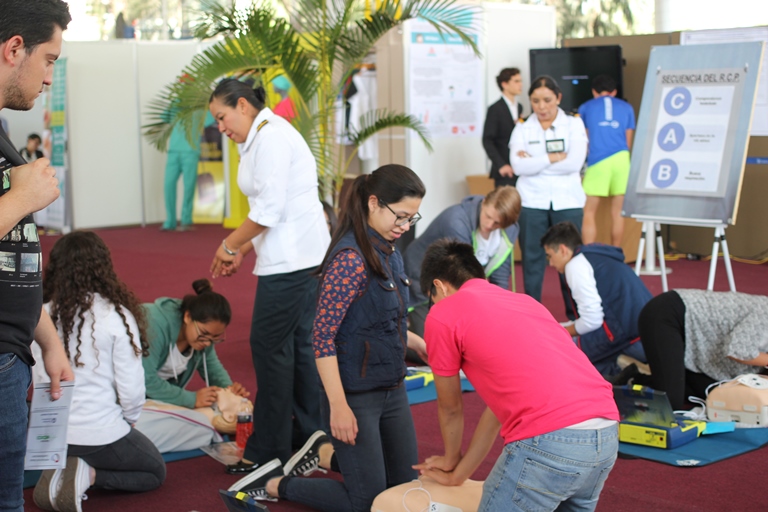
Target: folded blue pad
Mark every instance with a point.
(704, 450)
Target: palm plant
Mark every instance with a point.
(317, 46)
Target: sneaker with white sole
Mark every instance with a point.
(307, 460)
(76, 479)
(47, 489)
(255, 484)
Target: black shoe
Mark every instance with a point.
(624, 376)
(307, 460)
(255, 484)
(241, 468)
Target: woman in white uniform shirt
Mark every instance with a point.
(287, 230)
(546, 152)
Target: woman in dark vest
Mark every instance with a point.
(360, 337)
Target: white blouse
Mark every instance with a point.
(278, 174)
(109, 386)
(542, 184)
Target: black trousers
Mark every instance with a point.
(287, 407)
(662, 331)
(132, 463)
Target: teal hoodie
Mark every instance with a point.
(164, 324)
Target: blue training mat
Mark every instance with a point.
(428, 392)
(704, 450)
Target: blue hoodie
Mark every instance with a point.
(623, 295)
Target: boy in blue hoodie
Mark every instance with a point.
(603, 296)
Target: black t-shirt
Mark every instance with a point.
(21, 276)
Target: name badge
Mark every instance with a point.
(556, 146)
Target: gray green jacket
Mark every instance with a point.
(164, 323)
(457, 222)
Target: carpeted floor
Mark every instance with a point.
(155, 264)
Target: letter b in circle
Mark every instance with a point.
(664, 173)
(677, 101)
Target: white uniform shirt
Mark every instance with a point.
(580, 277)
(543, 184)
(278, 174)
(109, 387)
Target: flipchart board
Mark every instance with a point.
(692, 133)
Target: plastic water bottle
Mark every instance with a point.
(244, 423)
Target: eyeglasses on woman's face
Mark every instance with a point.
(206, 337)
(402, 220)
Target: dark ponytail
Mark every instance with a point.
(230, 90)
(206, 305)
(390, 184)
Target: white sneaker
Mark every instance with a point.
(47, 489)
(76, 479)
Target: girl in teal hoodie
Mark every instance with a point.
(181, 335)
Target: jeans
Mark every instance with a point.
(15, 378)
(564, 470)
(384, 451)
(132, 463)
(286, 411)
(534, 223)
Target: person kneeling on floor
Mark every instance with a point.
(555, 412)
(604, 291)
(102, 326)
(182, 335)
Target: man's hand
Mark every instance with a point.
(448, 478)
(206, 397)
(523, 154)
(35, 185)
(440, 462)
(506, 171)
(57, 367)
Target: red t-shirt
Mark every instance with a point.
(524, 365)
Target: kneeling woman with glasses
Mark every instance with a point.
(181, 335)
(359, 338)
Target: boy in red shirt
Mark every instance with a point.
(555, 412)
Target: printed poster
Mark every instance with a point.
(445, 81)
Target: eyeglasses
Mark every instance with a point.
(432, 292)
(206, 338)
(401, 220)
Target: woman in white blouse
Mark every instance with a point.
(547, 152)
(102, 325)
(287, 230)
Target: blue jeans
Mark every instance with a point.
(384, 451)
(15, 378)
(564, 470)
(534, 223)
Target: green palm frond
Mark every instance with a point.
(375, 121)
(215, 18)
(309, 47)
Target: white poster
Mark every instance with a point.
(445, 81)
(690, 135)
(690, 142)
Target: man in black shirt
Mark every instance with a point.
(30, 43)
(500, 120)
